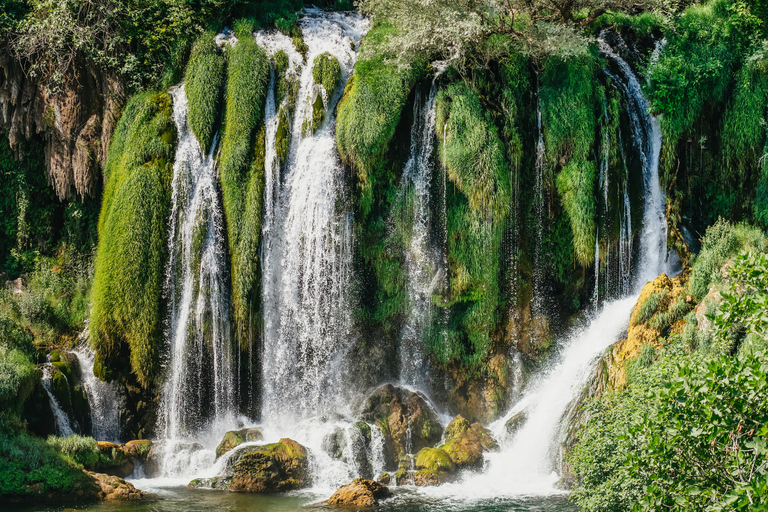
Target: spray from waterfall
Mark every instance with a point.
(103, 399)
(201, 389)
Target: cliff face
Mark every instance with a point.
(75, 123)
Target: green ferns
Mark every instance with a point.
(242, 169)
(131, 253)
(202, 84)
(478, 204)
(568, 98)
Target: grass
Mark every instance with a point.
(202, 84)
(326, 71)
(125, 318)
(242, 169)
(649, 307)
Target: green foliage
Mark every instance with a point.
(721, 242)
(643, 24)
(369, 112)
(17, 378)
(649, 307)
(478, 204)
(79, 450)
(131, 254)
(242, 169)
(202, 84)
(326, 71)
(27, 461)
(568, 98)
(704, 446)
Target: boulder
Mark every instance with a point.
(434, 467)
(114, 488)
(276, 467)
(385, 478)
(235, 438)
(466, 444)
(114, 460)
(138, 448)
(360, 493)
(515, 422)
(396, 411)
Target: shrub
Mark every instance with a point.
(17, 379)
(131, 254)
(79, 450)
(202, 84)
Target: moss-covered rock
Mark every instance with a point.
(466, 443)
(235, 438)
(202, 84)
(138, 448)
(359, 493)
(395, 410)
(434, 466)
(276, 467)
(515, 422)
(326, 71)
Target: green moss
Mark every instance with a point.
(434, 460)
(125, 318)
(202, 84)
(242, 171)
(576, 186)
(326, 71)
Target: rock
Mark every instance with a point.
(114, 488)
(466, 444)
(395, 410)
(138, 449)
(276, 467)
(385, 478)
(434, 467)
(235, 438)
(16, 286)
(114, 461)
(359, 493)
(515, 422)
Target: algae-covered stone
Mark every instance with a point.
(277, 467)
(465, 443)
(138, 448)
(235, 438)
(397, 410)
(359, 493)
(385, 478)
(434, 467)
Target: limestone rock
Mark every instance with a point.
(434, 466)
(395, 410)
(114, 488)
(515, 422)
(276, 467)
(465, 443)
(235, 438)
(138, 448)
(360, 493)
(115, 461)
(385, 478)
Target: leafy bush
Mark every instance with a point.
(80, 450)
(17, 379)
(202, 84)
(721, 242)
(326, 71)
(132, 245)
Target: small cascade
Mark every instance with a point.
(422, 261)
(102, 398)
(596, 293)
(537, 305)
(201, 388)
(307, 240)
(61, 419)
(528, 462)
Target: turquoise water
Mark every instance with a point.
(181, 499)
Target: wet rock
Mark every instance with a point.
(114, 461)
(276, 467)
(235, 438)
(405, 418)
(515, 422)
(466, 444)
(138, 448)
(16, 286)
(385, 478)
(114, 488)
(359, 493)
(434, 467)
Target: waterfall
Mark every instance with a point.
(307, 242)
(201, 387)
(538, 301)
(527, 462)
(421, 259)
(61, 419)
(102, 398)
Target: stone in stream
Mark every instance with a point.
(434, 467)
(405, 418)
(235, 438)
(514, 423)
(276, 467)
(466, 444)
(359, 493)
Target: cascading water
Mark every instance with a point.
(201, 388)
(421, 259)
(307, 244)
(60, 418)
(527, 463)
(537, 305)
(102, 398)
